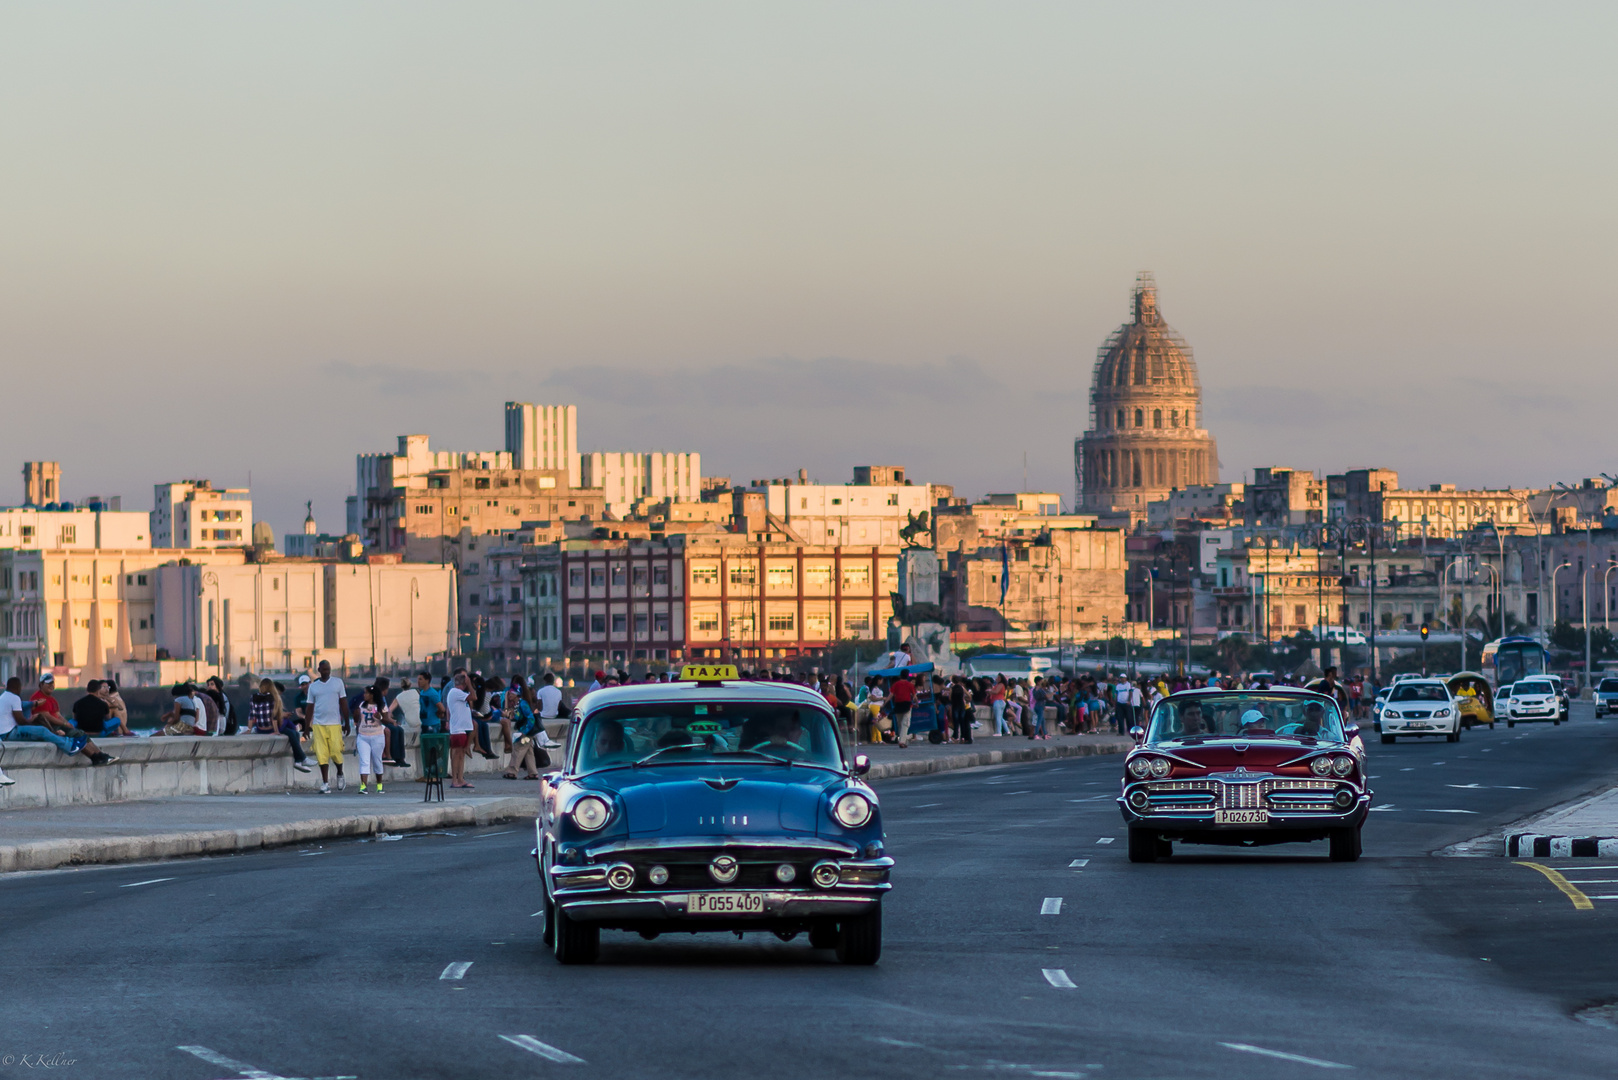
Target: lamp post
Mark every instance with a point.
(1559, 569)
(215, 630)
(1499, 590)
(1606, 598)
(415, 591)
(1500, 576)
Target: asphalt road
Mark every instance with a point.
(347, 960)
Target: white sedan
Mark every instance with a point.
(1420, 707)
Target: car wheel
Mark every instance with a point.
(860, 941)
(1345, 845)
(1165, 849)
(823, 936)
(1556, 722)
(1390, 738)
(576, 942)
(1142, 846)
(1454, 736)
(1511, 723)
(548, 935)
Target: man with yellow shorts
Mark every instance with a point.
(326, 710)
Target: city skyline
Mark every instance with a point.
(271, 239)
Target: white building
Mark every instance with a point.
(195, 514)
(544, 437)
(32, 529)
(377, 477)
(847, 514)
(628, 478)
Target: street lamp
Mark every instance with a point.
(1559, 569)
(1606, 598)
(1500, 575)
(1500, 592)
(415, 591)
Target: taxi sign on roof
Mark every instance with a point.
(708, 672)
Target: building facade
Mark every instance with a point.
(544, 437)
(194, 513)
(1145, 435)
(626, 479)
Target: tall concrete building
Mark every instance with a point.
(195, 514)
(1146, 436)
(544, 437)
(41, 483)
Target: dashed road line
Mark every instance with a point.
(1051, 906)
(1079, 862)
(1058, 978)
(1025, 791)
(456, 970)
(241, 1068)
(1580, 901)
(1106, 839)
(1284, 1056)
(154, 881)
(927, 806)
(544, 1050)
(485, 836)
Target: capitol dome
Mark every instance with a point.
(1145, 437)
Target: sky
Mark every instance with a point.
(249, 241)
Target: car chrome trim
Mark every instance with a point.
(710, 842)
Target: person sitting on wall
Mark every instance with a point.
(46, 724)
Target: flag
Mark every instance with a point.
(1005, 572)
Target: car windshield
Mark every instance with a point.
(1218, 716)
(1533, 686)
(654, 734)
(1608, 686)
(1419, 692)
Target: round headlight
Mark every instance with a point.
(1140, 768)
(1441, 712)
(658, 875)
(1344, 798)
(786, 873)
(825, 874)
(1138, 799)
(1160, 766)
(620, 876)
(590, 813)
(1342, 764)
(852, 809)
(1320, 766)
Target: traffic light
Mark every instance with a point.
(1423, 632)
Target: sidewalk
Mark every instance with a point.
(77, 835)
(1587, 828)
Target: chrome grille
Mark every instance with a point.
(1239, 796)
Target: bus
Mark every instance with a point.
(1507, 659)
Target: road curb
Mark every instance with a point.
(51, 854)
(1540, 846)
(889, 770)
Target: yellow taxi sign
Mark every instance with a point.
(708, 672)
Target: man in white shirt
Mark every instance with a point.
(43, 726)
(10, 717)
(458, 707)
(326, 711)
(550, 707)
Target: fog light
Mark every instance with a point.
(1344, 798)
(825, 874)
(1138, 800)
(620, 876)
(786, 873)
(658, 875)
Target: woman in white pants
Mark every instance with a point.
(371, 739)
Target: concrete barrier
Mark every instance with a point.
(153, 768)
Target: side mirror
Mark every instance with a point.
(1137, 733)
(862, 765)
(1351, 732)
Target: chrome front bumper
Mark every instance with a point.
(583, 892)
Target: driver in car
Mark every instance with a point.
(1191, 719)
(786, 733)
(1314, 717)
(609, 741)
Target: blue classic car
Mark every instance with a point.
(710, 804)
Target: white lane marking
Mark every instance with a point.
(1437, 763)
(927, 806)
(1407, 770)
(544, 1050)
(1025, 791)
(1486, 751)
(1464, 787)
(503, 832)
(1513, 787)
(1447, 811)
(1586, 869)
(241, 1068)
(1106, 839)
(1594, 881)
(1051, 906)
(154, 881)
(457, 969)
(541, 911)
(897, 1042)
(1384, 808)
(306, 854)
(1090, 798)
(1058, 978)
(1080, 862)
(1284, 1056)
(1612, 897)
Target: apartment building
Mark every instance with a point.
(545, 437)
(1060, 585)
(837, 515)
(626, 479)
(195, 514)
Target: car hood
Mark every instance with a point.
(1254, 755)
(714, 800)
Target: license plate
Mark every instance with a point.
(725, 903)
(1241, 817)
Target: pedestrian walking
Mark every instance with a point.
(458, 707)
(903, 693)
(370, 738)
(960, 710)
(326, 713)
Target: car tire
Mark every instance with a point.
(1454, 736)
(1345, 844)
(1511, 723)
(1142, 846)
(576, 942)
(548, 935)
(1390, 739)
(1556, 722)
(824, 935)
(1165, 849)
(860, 940)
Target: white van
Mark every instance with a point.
(1012, 667)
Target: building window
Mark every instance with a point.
(575, 578)
(782, 620)
(779, 575)
(598, 625)
(640, 624)
(575, 625)
(817, 624)
(707, 620)
(1157, 418)
(617, 574)
(598, 577)
(516, 593)
(620, 622)
(856, 574)
(1140, 417)
(705, 574)
(743, 574)
(660, 574)
(472, 599)
(637, 576)
(660, 622)
(857, 623)
(516, 629)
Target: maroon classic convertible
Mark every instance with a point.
(1244, 767)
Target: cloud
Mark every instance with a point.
(779, 383)
(397, 380)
